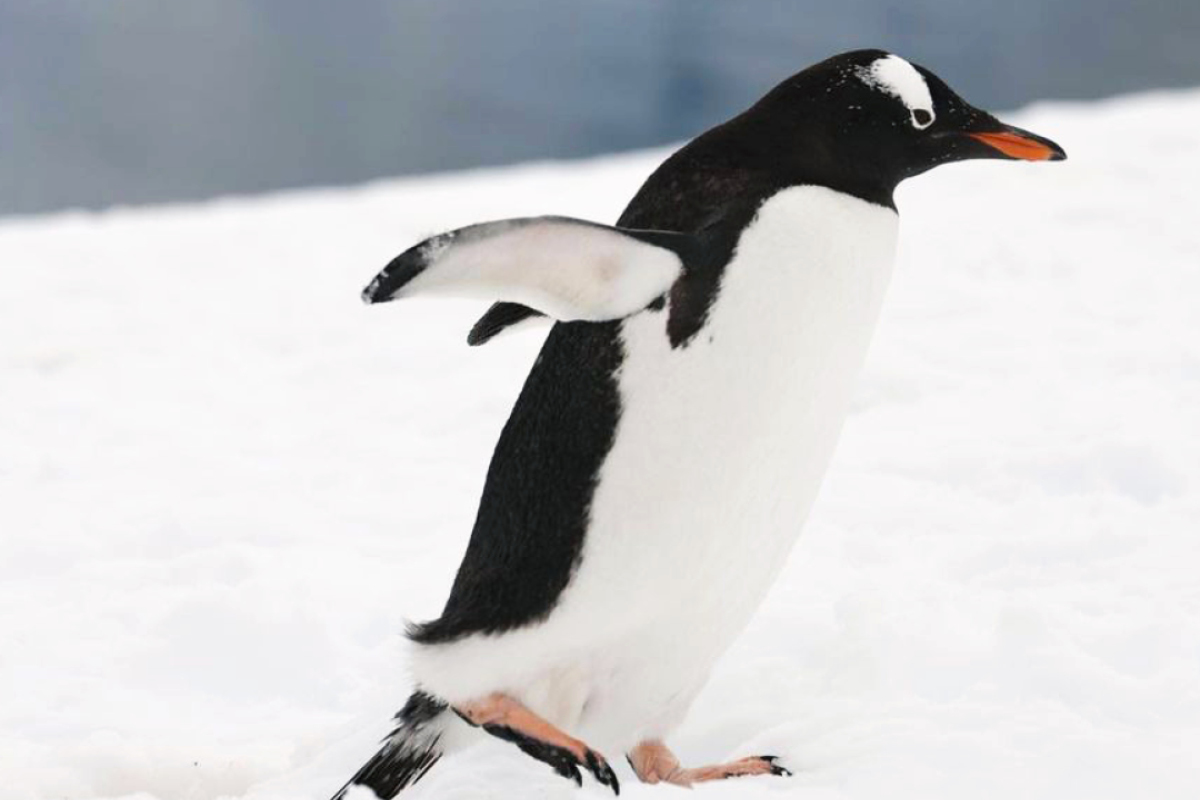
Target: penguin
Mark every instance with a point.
(662, 456)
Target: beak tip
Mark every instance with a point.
(1055, 152)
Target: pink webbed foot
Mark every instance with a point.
(653, 762)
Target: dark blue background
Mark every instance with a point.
(134, 101)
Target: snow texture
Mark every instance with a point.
(224, 483)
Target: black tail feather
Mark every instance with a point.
(407, 753)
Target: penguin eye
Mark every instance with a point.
(921, 118)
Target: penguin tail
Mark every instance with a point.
(408, 752)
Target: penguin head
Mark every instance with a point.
(871, 116)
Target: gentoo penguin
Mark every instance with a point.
(672, 433)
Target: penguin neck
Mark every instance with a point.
(727, 172)
(810, 160)
(781, 157)
(864, 187)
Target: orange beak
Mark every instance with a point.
(1014, 145)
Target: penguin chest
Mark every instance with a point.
(722, 443)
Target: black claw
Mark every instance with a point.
(776, 769)
(559, 759)
(568, 770)
(602, 771)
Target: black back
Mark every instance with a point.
(533, 513)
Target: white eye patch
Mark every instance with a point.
(900, 79)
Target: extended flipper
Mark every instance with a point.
(564, 268)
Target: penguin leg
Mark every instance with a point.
(654, 762)
(505, 718)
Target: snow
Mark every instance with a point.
(225, 483)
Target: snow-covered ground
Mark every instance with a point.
(224, 483)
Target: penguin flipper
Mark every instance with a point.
(568, 269)
(499, 318)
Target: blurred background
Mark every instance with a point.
(139, 101)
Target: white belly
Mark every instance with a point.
(718, 456)
(722, 444)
